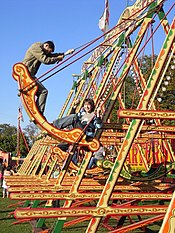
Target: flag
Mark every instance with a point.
(104, 19)
(20, 116)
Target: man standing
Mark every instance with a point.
(42, 53)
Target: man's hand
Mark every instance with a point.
(70, 51)
(60, 57)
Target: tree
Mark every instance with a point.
(8, 140)
(31, 131)
(146, 64)
(164, 99)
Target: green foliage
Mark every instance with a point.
(8, 137)
(130, 95)
(8, 140)
(31, 131)
(166, 93)
(146, 64)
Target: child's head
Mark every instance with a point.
(89, 105)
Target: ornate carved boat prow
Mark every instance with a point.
(27, 92)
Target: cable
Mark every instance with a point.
(84, 47)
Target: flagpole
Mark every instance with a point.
(18, 138)
(104, 19)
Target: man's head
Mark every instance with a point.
(48, 47)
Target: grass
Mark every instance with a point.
(7, 219)
(7, 222)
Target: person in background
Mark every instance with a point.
(0, 178)
(55, 174)
(98, 155)
(7, 172)
(42, 53)
(78, 156)
(1, 171)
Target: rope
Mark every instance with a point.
(24, 139)
(89, 43)
(152, 46)
(84, 47)
(143, 51)
(75, 144)
(119, 82)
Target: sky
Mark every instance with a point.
(69, 24)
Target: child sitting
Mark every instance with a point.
(86, 119)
